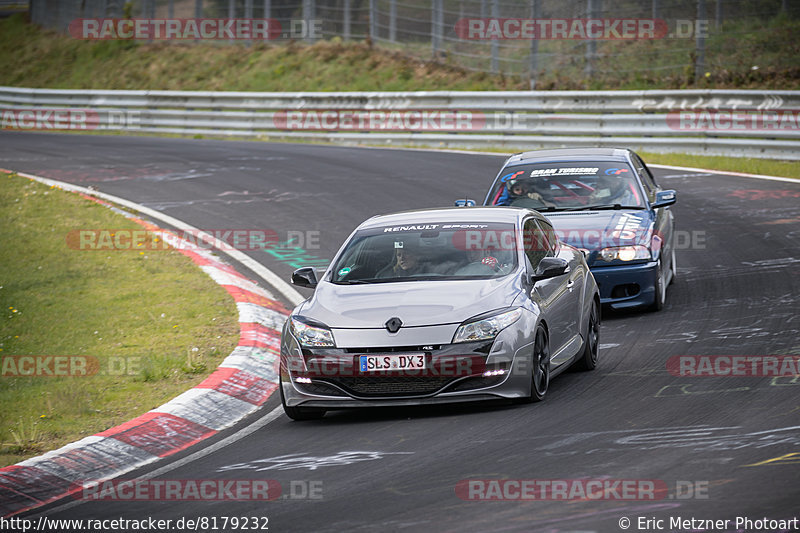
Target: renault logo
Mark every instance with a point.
(393, 325)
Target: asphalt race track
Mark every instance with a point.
(706, 440)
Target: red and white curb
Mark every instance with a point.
(238, 387)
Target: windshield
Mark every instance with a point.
(565, 186)
(427, 251)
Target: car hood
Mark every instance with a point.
(594, 230)
(416, 303)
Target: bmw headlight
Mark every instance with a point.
(486, 328)
(625, 253)
(310, 336)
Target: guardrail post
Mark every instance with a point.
(495, 66)
(308, 18)
(373, 20)
(148, 12)
(591, 44)
(436, 42)
(700, 43)
(265, 14)
(393, 20)
(231, 13)
(346, 21)
(534, 51)
(248, 14)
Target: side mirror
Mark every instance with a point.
(466, 202)
(665, 198)
(550, 267)
(305, 277)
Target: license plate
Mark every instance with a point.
(374, 363)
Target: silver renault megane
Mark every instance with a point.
(436, 306)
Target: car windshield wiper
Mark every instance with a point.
(601, 207)
(362, 281)
(365, 281)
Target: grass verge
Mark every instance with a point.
(152, 322)
(36, 57)
(767, 167)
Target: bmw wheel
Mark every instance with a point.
(660, 292)
(674, 268)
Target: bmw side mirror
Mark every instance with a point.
(305, 277)
(665, 198)
(550, 267)
(466, 202)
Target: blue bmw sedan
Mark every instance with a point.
(605, 202)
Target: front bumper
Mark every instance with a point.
(330, 378)
(626, 286)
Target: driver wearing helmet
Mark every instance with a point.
(615, 189)
(521, 189)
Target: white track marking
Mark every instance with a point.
(726, 172)
(671, 167)
(266, 274)
(230, 439)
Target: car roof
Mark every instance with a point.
(456, 215)
(569, 154)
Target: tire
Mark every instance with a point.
(660, 290)
(588, 359)
(674, 268)
(540, 374)
(299, 413)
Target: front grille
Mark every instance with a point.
(375, 386)
(393, 349)
(625, 291)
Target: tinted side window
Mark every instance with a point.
(647, 178)
(535, 241)
(550, 235)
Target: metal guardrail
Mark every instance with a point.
(713, 122)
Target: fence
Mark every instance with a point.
(710, 122)
(696, 36)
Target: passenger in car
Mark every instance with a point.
(406, 262)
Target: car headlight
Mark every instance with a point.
(486, 328)
(311, 336)
(625, 253)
